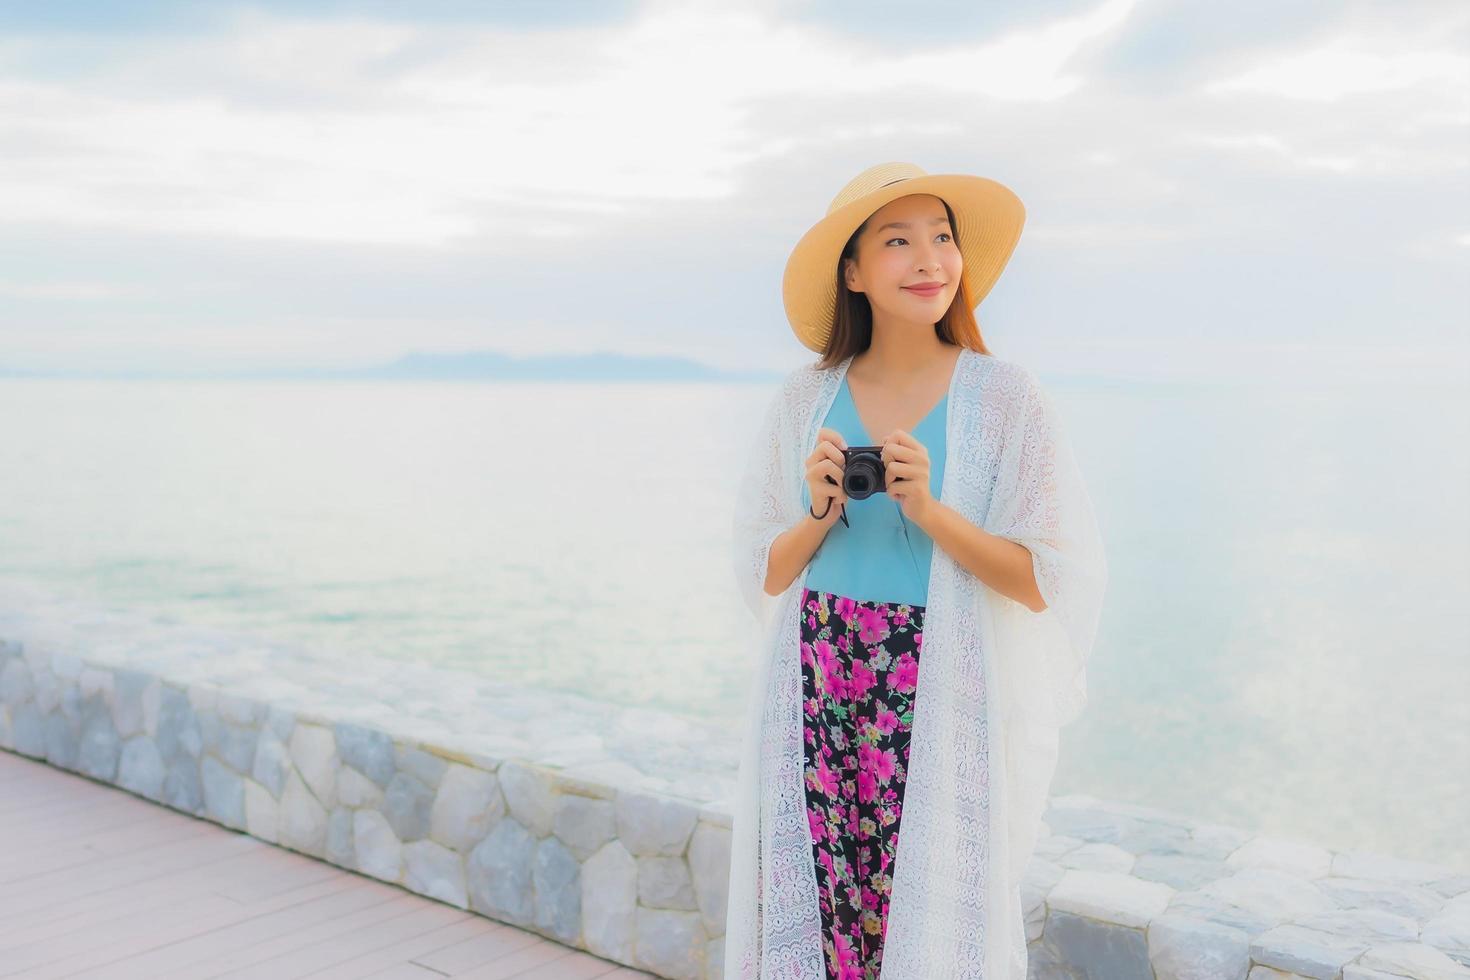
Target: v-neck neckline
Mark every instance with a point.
(954, 373)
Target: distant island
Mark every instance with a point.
(462, 366)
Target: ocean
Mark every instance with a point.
(1285, 645)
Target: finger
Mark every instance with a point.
(909, 449)
(825, 449)
(906, 471)
(906, 440)
(832, 436)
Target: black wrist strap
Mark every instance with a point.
(827, 509)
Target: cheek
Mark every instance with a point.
(895, 269)
(893, 262)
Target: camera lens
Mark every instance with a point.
(860, 478)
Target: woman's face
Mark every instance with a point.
(908, 241)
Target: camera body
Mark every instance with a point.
(862, 471)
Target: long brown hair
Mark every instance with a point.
(852, 326)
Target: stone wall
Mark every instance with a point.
(605, 828)
(628, 875)
(1121, 891)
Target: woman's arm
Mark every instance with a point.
(792, 551)
(1000, 563)
(767, 508)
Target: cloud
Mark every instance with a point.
(77, 290)
(425, 180)
(386, 133)
(1346, 66)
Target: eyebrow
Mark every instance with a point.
(905, 224)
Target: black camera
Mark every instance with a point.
(862, 471)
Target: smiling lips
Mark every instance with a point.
(927, 290)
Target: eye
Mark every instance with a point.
(890, 241)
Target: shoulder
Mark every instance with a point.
(791, 393)
(800, 375)
(1007, 379)
(809, 372)
(802, 381)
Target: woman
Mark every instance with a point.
(928, 605)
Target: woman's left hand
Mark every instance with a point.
(906, 468)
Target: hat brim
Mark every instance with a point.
(988, 217)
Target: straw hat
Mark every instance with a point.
(988, 216)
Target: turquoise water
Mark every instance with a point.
(1286, 644)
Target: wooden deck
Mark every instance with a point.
(96, 882)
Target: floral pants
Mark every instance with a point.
(859, 671)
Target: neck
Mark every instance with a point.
(901, 352)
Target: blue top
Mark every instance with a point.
(883, 556)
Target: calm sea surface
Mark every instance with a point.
(1286, 643)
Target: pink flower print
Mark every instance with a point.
(885, 721)
(887, 765)
(832, 680)
(905, 674)
(825, 856)
(818, 824)
(825, 778)
(848, 967)
(878, 762)
(862, 679)
(844, 608)
(867, 786)
(830, 668)
(870, 898)
(806, 654)
(872, 627)
(919, 642)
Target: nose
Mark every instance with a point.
(931, 262)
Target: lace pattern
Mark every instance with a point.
(995, 683)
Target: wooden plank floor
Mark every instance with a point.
(96, 882)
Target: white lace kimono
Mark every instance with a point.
(996, 682)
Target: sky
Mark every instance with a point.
(1266, 187)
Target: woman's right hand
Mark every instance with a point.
(824, 475)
